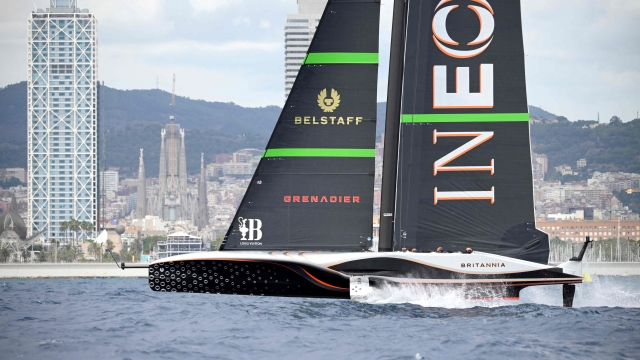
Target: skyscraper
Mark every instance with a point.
(298, 32)
(62, 117)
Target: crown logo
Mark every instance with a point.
(328, 104)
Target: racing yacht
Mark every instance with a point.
(457, 167)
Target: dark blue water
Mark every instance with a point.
(123, 319)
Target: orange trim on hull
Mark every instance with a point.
(322, 282)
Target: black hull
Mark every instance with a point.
(246, 278)
(291, 279)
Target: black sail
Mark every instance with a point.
(464, 156)
(313, 188)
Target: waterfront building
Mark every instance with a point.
(62, 117)
(177, 244)
(298, 32)
(578, 230)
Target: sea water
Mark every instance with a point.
(124, 319)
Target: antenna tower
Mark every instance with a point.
(173, 96)
(173, 169)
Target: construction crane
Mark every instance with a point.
(631, 191)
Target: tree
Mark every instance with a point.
(11, 183)
(90, 248)
(94, 249)
(615, 120)
(215, 245)
(64, 226)
(42, 256)
(124, 255)
(150, 242)
(87, 227)
(110, 245)
(74, 225)
(136, 249)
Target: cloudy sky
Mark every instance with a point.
(583, 56)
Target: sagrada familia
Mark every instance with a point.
(173, 201)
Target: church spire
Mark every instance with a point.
(203, 211)
(141, 207)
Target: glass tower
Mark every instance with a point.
(298, 32)
(62, 117)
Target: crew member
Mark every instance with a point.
(468, 251)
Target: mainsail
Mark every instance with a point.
(313, 188)
(464, 165)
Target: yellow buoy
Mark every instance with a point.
(586, 277)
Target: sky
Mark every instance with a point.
(582, 56)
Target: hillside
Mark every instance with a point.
(134, 119)
(123, 107)
(13, 125)
(539, 113)
(608, 147)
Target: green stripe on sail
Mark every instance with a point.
(320, 153)
(340, 58)
(441, 118)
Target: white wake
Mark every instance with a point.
(610, 291)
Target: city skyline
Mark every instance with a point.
(46, 188)
(578, 62)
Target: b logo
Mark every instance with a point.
(328, 104)
(254, 229)
(441, 36)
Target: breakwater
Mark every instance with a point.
(611, 268)
(75, 270)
